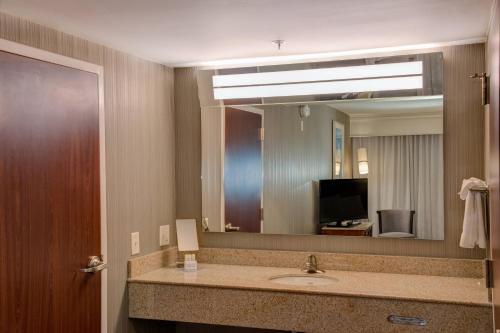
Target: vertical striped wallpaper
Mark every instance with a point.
(140, 149)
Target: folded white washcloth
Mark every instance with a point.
(473, 232)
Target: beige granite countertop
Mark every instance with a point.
(440, 289)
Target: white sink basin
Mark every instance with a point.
(303, 279)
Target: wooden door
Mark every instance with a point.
(49, 197)
(494, 160)
(243, 169)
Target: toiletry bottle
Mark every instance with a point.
(190, 264)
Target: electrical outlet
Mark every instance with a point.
(134, 238)
(164, 235)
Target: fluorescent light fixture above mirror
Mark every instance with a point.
(320, 74)
(320, 88)
(320, 81)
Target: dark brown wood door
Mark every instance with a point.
(243, 169)
(49, 197)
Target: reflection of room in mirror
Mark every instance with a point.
(390, 138)
(394, 143)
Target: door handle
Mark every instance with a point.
(229, 228)
(95, 264)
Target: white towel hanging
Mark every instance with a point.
(473, 232)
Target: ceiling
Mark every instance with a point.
(180, 32)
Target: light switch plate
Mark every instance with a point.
(134, 238)
(164, 235)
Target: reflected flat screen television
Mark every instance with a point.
(342, 200)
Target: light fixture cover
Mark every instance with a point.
(363, 161)
(320, 74)
(335, 80)
(363, 168)
(320, 88)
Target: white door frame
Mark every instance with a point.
(58, 59)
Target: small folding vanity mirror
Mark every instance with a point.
(187, 237)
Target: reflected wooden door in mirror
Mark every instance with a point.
(242, 170)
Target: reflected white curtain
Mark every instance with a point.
(405, 172)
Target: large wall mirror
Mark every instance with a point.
(346, 148)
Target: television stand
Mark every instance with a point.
(361, 229)
(343, 224)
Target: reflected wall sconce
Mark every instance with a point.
(363, 161)
(304, 112)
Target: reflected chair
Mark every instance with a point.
(395, 223)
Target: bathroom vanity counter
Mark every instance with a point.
(353, 302)
(455, 290)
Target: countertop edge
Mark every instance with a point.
(307, 292)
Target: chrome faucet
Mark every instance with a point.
(312, 265)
